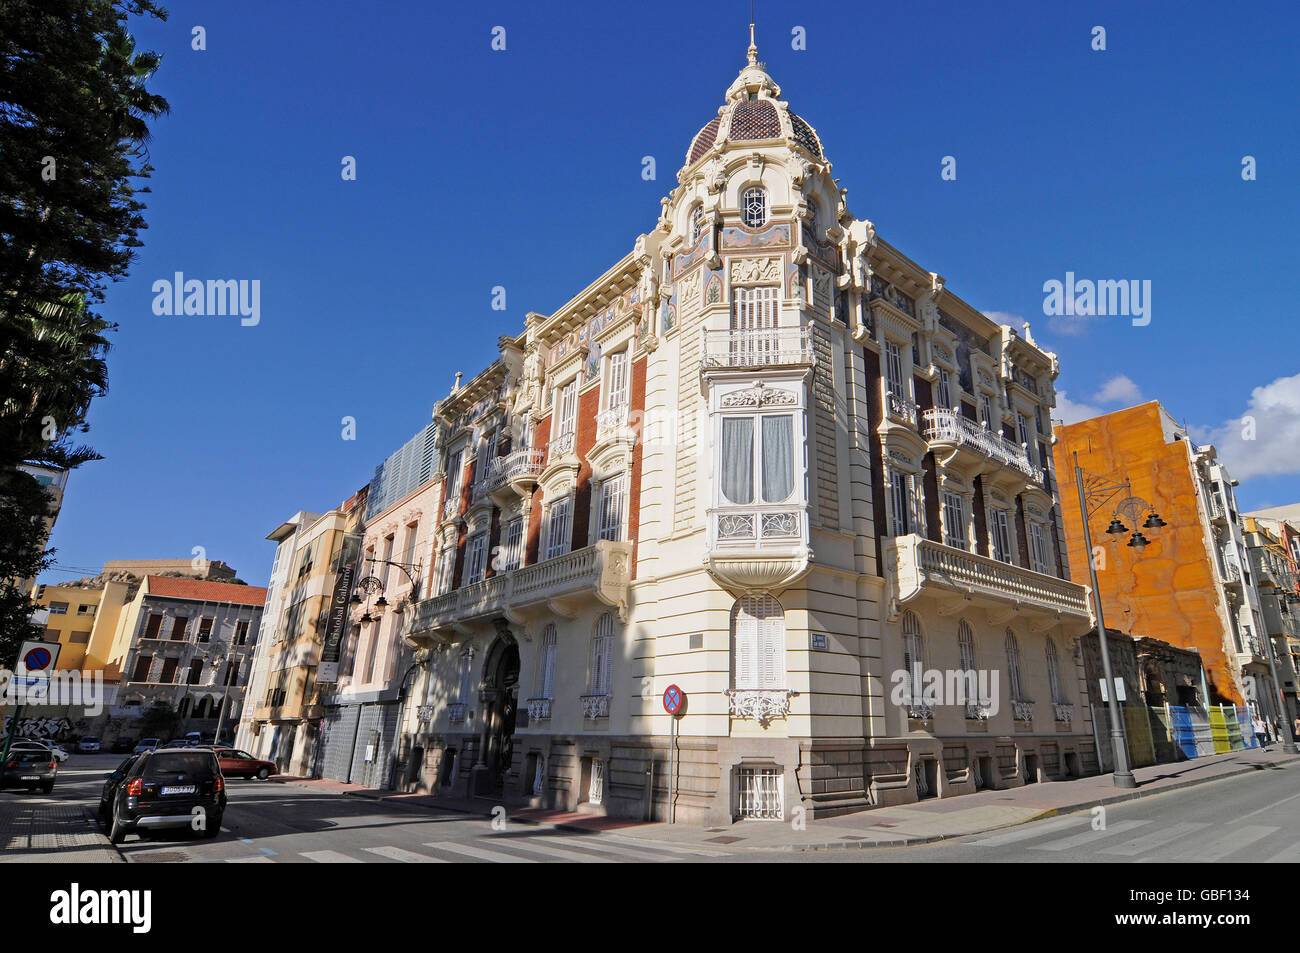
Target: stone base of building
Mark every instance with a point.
(717, 777)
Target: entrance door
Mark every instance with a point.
(502, 680)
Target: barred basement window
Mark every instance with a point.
(760, 794)
(753, 205)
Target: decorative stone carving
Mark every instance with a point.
(760, 395)
(753, 271)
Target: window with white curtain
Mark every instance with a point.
(954, 521)
(757, 461)
(1000, 525)
(514, 546)
(476, 558)
(758, 642)
(1054, 673)
(546, 663)
(559, 527)
(602, 654)
(894, 368)
(1014, 684)
(613, 502)
(1040, 557)
(616, 381)
(913, 657)
(902, 489)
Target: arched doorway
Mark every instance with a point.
(499, 692)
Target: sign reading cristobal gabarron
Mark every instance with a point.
(346, 573)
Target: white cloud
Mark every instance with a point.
(1067, 411)
(1265, 439)
(1120, 389)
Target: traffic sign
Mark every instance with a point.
(674, 699)
(36, 659)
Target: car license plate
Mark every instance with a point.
(179, 789)
(31, 777)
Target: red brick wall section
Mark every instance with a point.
(637, 397)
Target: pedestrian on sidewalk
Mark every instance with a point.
(1261, 733)
(1296, 734)
(1277, 730)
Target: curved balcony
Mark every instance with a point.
(560, 585)
(917, 568)
(518, 469)
(951, 430)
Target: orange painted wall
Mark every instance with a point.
(1168, 592)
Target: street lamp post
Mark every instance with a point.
(1099, 493)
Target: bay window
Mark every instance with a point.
(757, 458)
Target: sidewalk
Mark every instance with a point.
(921, 823)
(51, 834)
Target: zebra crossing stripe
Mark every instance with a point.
(479, 853)
(1026, 831)
(329, 857)
(1089, 837)
(1288, 856)
(1155, 839)
(1226, 843)
(259, 859)
(403, 856)
(539, 846)
(603, 846)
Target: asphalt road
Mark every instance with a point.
(1251, 818)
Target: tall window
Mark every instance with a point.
(754, 309)
(514, 548)
(205, 629)
(612, 504)
(446, 569)
(902, 488)
(602, 654)
(1001, 532)
(697, 223)
(753, 206)
(408, 552)
(1022, 428)
(758, 641)
(913, 656)
(1054, 673)
(546, 664)
(966, 654)
(954, 521)
(945, 389)
(616, 382)
(986, 410)
(466, 659)
(568, 410)
(476, 558)
(559, 528)
(757, 458)
(1039, 553)
(894, 368)
(1014, 683)
(454, 473)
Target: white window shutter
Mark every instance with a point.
(746, 650)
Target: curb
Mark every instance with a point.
(92, 821)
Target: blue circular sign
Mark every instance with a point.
(674, 698)
(37, 659)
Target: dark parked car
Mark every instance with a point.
(30, 767)
(111, 781)
(163, 788)
(236, 763)
(122, 745)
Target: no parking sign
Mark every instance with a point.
(36, 661)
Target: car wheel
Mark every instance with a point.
(213, 828)
(116, 831)
(263, 773)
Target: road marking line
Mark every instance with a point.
(538, 846)
(1033, 829)
(1089, 837)
(1263, 809)
(329, 857)
(1288, 856)
(494, 856)
(404, 856)
(1141, 845)
(660, 845)
(259, 859)
(1219, 847)
(592, 843)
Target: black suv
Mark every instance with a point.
(168, 787)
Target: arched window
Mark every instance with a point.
(602, 654)
(1014, 684)
(966, 653)
(1054, 673)
(913, 655)
(753, 206)
(758, 642)
(697, 223)
(546, 664)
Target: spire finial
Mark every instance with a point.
(753, 50)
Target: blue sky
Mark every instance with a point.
(522, 168)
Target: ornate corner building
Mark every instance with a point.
(770, 459)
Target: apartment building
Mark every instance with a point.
(1193, 585)
(767, 458)
(1273, 572)
(84, 619)
(184, 645)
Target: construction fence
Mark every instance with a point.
(1174, 733)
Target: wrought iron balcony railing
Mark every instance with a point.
(948, 426)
